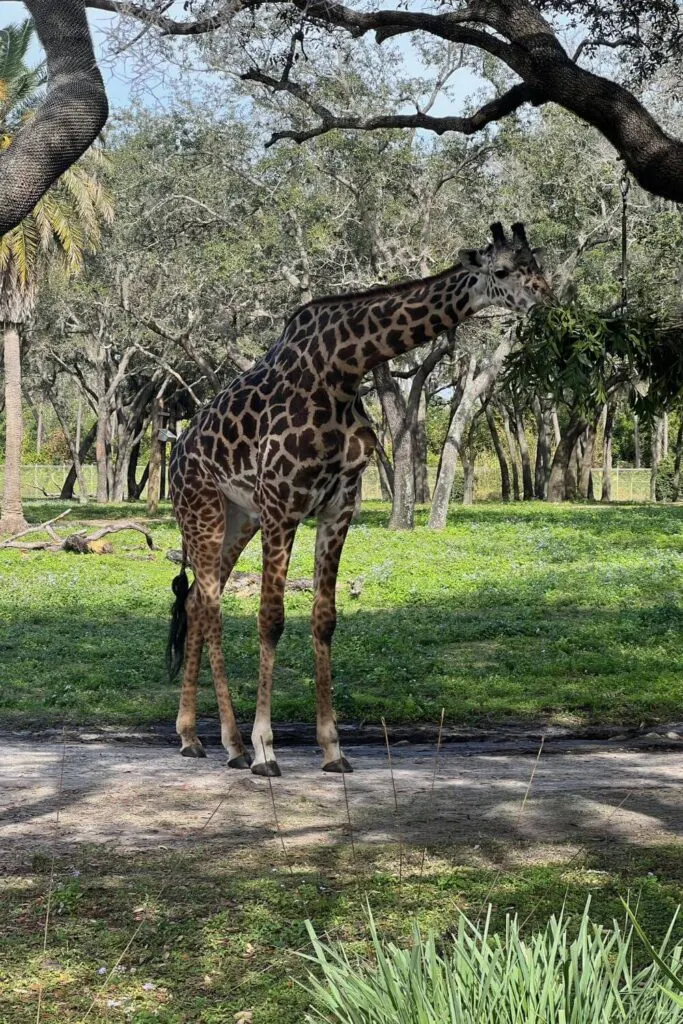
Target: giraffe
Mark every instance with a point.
(288, 439)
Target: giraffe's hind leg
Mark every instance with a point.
(186, 722)
(331, 534)
(212, 542)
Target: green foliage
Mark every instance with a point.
(564, 974)
(665, 479)
(579, 356)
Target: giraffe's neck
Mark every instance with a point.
(349, 335)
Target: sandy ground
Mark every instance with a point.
(146, 798)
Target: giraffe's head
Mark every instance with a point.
(507, 272)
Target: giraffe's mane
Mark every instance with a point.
(380, 290)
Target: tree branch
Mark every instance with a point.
(155, 16)
(496, 108)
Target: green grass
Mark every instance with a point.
(214, 932)
(528, 612)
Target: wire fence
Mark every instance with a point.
(627, 484)
(39, 481)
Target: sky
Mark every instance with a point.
(119, 80)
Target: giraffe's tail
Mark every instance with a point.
(175, 649)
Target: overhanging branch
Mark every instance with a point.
(499, 107)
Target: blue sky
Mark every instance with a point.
(119, 83)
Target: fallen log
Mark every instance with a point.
(78, 543)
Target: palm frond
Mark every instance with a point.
(14, 44)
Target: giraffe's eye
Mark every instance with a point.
(501, 273)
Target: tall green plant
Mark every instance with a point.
(560, 975)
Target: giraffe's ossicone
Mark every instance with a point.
(288, 439)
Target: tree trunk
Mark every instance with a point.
(636, 442)
(543, 460)
(154, 479)
(586, 466)
(131, 473)
(67, 491)
(656, 447)
(101, 440)
(665, 435)
(78, 469)
(467, 459)
(527, 480)
(12, 517)
(607, 451)
(511, 452)
(571, 476)
(500, 454)
(162, 486)
(677, 462)
(79, 423)
(559, 471)
(394, 408)
(422, 495)
(386, 473)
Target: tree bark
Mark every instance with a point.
(677, 462)
(500, 454)
(69, 119)
(467, 458)
(476, 387)
(394, 407)
(543, 459)
(12, 515)
(636, 442)
(557, 484)
(154, 480)
(67, 491)
(101, 442)
(586, 467)
(511, 451)
(656, 446)
(82, 488)
(520, 431)
(606, 495)
(422, 495)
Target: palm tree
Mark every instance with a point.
(63, 227)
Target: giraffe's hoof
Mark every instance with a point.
(269, 769)
(340, 767)
(193, 750)
(241, 761)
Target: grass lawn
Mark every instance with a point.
(528, 612)
(205, 935)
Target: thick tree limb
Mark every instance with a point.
(515, 32)
(69, 119)
(491, 111)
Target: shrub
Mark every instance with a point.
(483, 977)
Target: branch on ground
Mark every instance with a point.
(79, 543)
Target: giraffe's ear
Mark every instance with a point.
(470, 258)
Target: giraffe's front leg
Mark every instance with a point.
(332, 530)
(277, 541)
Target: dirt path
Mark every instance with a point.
(143, 797)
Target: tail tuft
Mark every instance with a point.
(175, 649)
